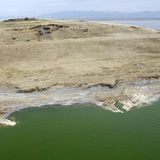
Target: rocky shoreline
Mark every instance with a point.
(130, 95)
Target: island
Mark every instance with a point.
(65, 62)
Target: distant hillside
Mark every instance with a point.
(9, 17)
(102, 15)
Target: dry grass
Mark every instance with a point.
(76, 56)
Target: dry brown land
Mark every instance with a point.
(37, 55)
(87, 62)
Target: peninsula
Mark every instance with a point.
(66, 62)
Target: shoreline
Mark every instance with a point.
(118, 23)
(130, 95)
(60, 62)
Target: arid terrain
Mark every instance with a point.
(36, 55)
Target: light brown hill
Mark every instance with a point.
(37, 55)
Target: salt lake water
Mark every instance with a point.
(153, 24)
(82, 132)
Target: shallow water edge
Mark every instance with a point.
(129, 95)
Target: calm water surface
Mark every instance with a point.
(153, 24)
(83, 132)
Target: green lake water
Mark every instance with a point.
(83, 132)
